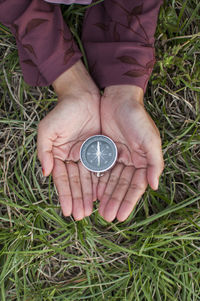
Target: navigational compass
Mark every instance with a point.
(98, 154)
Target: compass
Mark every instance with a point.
(98, 154)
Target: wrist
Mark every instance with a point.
(118, 93)
(75, 81)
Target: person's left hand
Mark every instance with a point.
(140, 162)
(60, 135)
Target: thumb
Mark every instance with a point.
(155, 166)
(44, 152)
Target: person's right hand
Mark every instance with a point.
(140, 161)
(60, 135)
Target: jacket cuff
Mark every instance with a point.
(45, 73)
(124, 63)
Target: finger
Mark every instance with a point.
(86, 184)
(112, 206)
(75, 185)
(44, 150)
(155, 165)
(102, 184)
(61, 180)
(95, 181)
(111, 184)
(136, 189)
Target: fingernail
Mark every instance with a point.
(157, 183)
(43, 171)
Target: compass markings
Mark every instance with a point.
(99, 154)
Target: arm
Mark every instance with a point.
(45, 45)
(119, 41)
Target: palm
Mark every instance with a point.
(65, 128)
(60, 136)
(138, 143)
(132, 130)
(72, 129)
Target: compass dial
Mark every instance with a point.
(98, 153)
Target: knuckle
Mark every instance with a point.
(123, 182)
(87, 178)
(106, 195)
(88, 195)
(134, 186)
(61, 178)
(102, 180)
(65, 196)
(115, 199)
(113, 179)
(75, 179)
(78, 199)
(128, 202)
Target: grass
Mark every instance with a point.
(155, 253)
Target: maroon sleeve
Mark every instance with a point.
(45, 44)
(118, 37)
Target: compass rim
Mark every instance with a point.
(114, 160)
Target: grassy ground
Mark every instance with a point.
(155, 254)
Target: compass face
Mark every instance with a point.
(98, 153)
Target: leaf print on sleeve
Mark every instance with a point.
(68, 54)
(93, 67)
(150, 64)
(33, 24)
(29, 47)
(116, 34)
(146, 70)
(136, 73)
(135, 12)
(129, 60)
(102, 26)
(29, 62)
(141, 26)
(46, 7)
(135, 32)
(16, 27)
(66, 39)
(123, 8)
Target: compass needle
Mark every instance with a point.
(98, 153)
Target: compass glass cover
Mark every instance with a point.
(98, 153)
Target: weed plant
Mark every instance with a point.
(153, 255)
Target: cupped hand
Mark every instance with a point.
(60, 135)
(140, 162)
